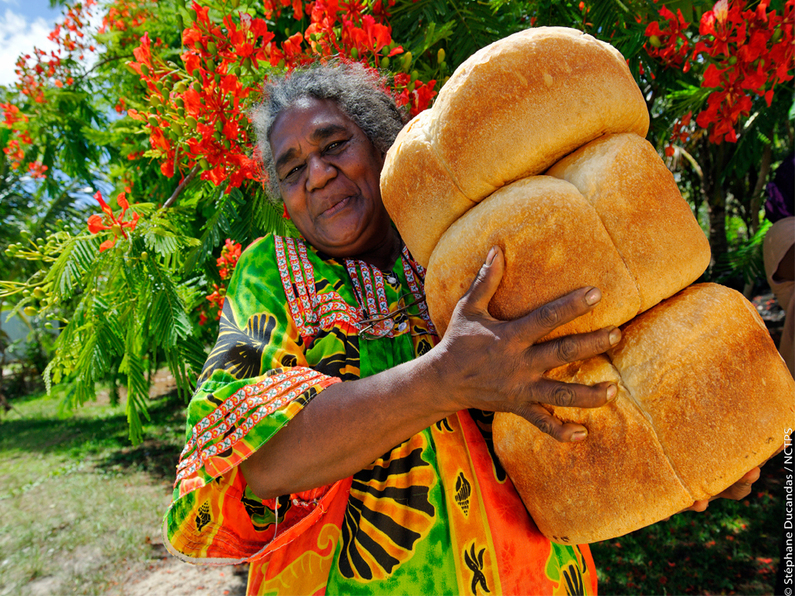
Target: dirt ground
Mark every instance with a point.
(171, 577)
(165, 575)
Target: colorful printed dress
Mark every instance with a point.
(435, 515)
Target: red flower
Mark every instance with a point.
(142, 53)
(292, 46)
(107, 244)
(97, 223)
(668, 43)
(37, 169)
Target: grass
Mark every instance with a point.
(732, 548)
(78, 504)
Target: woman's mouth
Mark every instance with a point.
(337, 207)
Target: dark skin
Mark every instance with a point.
(328, 174)
(786, 267)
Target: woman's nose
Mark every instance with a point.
(319, 172)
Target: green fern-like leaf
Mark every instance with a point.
(162, 241)
(137, 395)
(218, 224)
(77, 257)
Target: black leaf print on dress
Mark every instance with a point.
(239, 351)
(475, 563)
(388, 512)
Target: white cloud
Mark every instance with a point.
(18, 36)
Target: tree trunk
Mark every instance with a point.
(756, 195)
(713, 159)
(756, 203)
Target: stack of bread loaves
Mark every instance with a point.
(536, 144)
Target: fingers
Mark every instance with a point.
(699, 506)
(736, 492)
(742, 488)
(571, 348)
(565, 432)
(548, 317)
(572, 395)
(564, 395)
(483, 287)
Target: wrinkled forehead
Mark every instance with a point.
(309, 117)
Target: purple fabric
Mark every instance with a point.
(780, 192)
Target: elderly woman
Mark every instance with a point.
(334, 441)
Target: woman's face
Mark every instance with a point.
(328, 173)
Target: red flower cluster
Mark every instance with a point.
(14, 153)
(16, 122)
(37, 71)
(36, 169)
(680, 132)
(410, 90)
(97, 223)
(669, 43)
(226, 263)
(124, 15)
(198, 117)
(747, 51)
(751, 51)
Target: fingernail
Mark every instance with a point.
(614, 337)
(612, 390)
(579, 436)
(491, 255)
(593, 296)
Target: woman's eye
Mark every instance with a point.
(290, 175)
(334, 146)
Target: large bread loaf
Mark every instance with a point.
(703, 397)
(511, 110)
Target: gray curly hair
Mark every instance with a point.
(359, 93)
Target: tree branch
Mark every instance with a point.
(185, 181)
(102, 63)
(691, 160)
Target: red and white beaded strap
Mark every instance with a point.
(284, 274)
(380, 290)
(300, 284)
(263, 396)
(232, 403)
(357, 288)
(414, 264)
(309, 276)
(414, 287)
(369, 294)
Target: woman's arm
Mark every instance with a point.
(481, 363)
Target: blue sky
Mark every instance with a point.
(24, 24)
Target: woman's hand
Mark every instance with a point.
(498, 366)
(739, 490)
